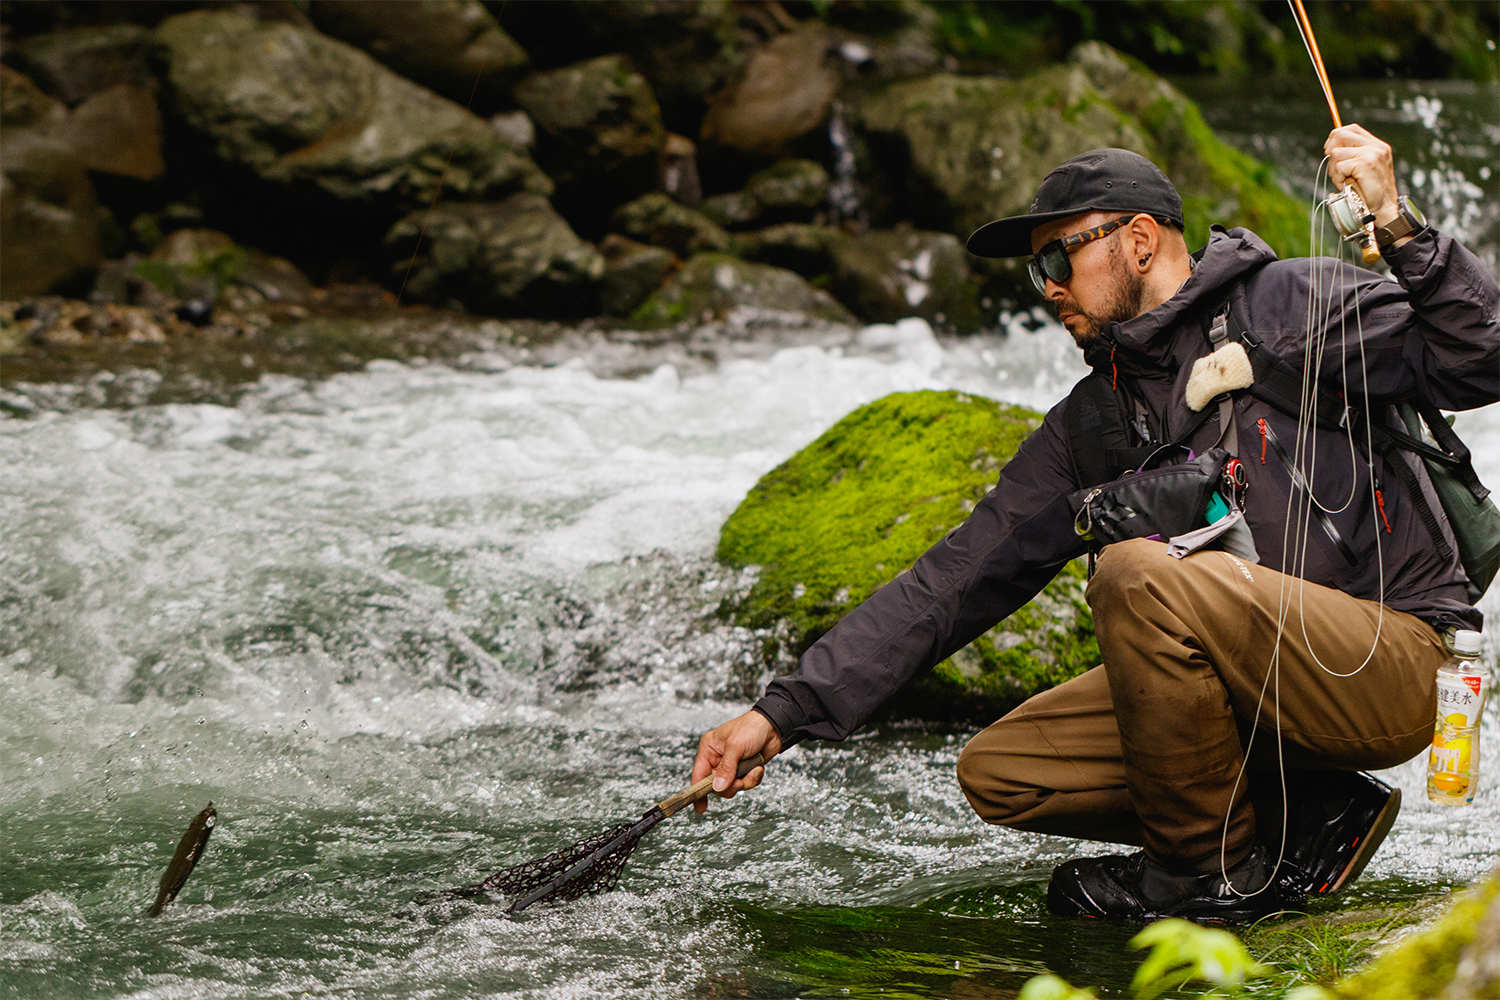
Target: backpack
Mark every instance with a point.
(1099, 439)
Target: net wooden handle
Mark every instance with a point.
(698, 789)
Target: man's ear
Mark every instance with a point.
(1145, 239)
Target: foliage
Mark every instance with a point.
(1050, 987)
(1183, 951)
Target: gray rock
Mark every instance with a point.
(600, 132)
(977, 147)
(796, 246)
(657, 219)
(686, 48)
(789, 187)
(49, 215)
(784, 92)
(734, 210)
(679, 170)
(515, 127)
(714, 286)
(632, 271)
(511, 257)
(454, 47)
(886, 275)
(300, 108)
(72, 63)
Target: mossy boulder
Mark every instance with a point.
(299, 108)
(854, 509)
(716, 286)
(954, 152)
(656, 219)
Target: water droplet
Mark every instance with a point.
(302, 724)
(201, 720)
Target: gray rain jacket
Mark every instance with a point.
(1433, 332)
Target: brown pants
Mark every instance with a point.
(1150, 748)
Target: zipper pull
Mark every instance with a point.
(1380, 502)
(1261, 423)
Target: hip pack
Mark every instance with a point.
(1100, 441)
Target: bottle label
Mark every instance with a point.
(1460, 697)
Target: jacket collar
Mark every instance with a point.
(1158, 341)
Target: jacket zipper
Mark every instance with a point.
(1268, 436)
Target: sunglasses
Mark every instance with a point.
(1052, 261)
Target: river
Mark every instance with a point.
(410, 624)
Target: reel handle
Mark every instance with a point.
(697, 790)
(1354, 221)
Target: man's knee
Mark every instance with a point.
(1127, 568)
(990, 778)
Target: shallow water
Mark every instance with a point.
(409, 625)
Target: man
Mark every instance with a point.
(1224, 680)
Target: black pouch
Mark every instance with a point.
(1158, 503)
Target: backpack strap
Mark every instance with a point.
(1099, 437)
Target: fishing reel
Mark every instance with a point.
(1354, 221)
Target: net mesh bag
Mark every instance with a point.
(527, 877)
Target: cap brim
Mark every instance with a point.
(1011, 237)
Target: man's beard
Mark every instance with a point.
(1125, 304)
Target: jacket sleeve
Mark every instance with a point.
(1008, 549)
(1434, 331)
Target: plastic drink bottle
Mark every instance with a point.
(1453, 763)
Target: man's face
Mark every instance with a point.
(1103, 288)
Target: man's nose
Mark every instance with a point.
(1054, 291)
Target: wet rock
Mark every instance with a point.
(299, 108)
(789, 190)
(657, 219)
(796, 246)
(678, 174)
(734, 210)
(885, 275)
(850, 512)
(204, 266)
(516, 256)
(118, 131)
(632, 271)
(454, 47)
(953, 152)
(600, 131)
(49, 214)
(686, 48)
(515, 127)
(784, 92)
(714, 286)
(73, 63)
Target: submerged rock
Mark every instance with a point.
(715, 286)
(656, 219)
(956, 152)
(600, 130)
(853, 510)
(49, 214)
(517, 256)
(298, 107)
(454, 47)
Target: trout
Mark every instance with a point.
(189, 850)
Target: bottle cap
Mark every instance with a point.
(1465, 641)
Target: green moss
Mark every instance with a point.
(1423, 964)
(851, 511)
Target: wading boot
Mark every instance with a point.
(1337, 821)
(1140, 888)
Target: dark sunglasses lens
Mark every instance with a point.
(1054, 264)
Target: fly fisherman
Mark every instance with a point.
(1154, 748)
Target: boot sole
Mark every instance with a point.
(1365, 849)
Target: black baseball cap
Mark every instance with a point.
(1099, 180)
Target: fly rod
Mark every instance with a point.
(1351, 217)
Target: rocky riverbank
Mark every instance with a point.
(658, 163)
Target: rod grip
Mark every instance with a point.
(699, 789)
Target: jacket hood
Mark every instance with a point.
(1154, 339)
